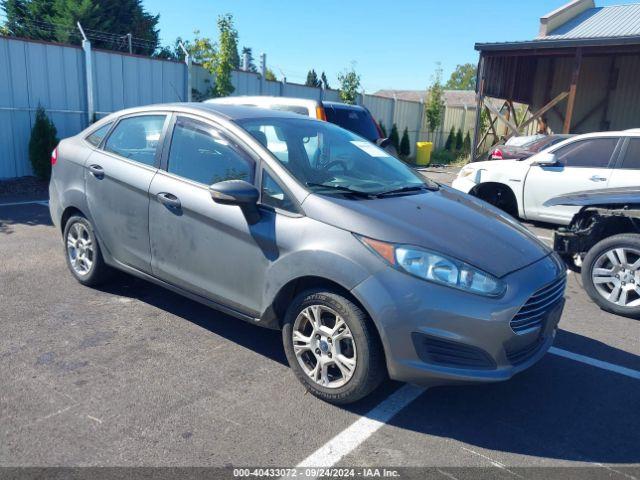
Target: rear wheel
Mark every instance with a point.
(332, 347)
(611, 274)
(82, 252)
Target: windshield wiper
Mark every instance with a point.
(414, 188)
(340, 188)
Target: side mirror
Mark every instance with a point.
(239, 193)
(383, 142)
(545, 159)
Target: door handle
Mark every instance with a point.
(597, 178)
(97, 171)
(169, 200)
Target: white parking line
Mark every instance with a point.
(353, 436)
(44, 203)
(348, 440)
(594, 362)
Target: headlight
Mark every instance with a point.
(437, 268)
(466, 171)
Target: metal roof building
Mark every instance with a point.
(581, 74)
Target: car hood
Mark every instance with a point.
(606, 196)
(445, 221)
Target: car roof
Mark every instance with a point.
(342, 105)
(227, 111)
(263, 99)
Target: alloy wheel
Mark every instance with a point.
(324, 346)
(80, 248)
(616, 276)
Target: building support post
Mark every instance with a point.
(479, 107)
(572, 91)
(88, 70)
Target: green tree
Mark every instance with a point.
(44, 138)
(349, 85)
(383, 129)
(405, 144)
(466, 144)
(251, 63)
(270, 75)
(435, 103)
(395, 138)
(459, 140)
(323, 79)
(227, 58)
(448, 145)
(462, 78)
(312, 79)
(55, 20)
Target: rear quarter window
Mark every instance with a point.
(631, 158)
(95, 138)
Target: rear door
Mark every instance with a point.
(582, 165)
(627, 170)
(117, 178)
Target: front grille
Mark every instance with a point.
(450, 353)
(524, 353)
(533, 313)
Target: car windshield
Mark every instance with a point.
(330, 160)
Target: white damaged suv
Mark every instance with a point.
(582, 163)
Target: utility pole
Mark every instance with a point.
(263, 72)
(245, 61)
(88, 69)
(187, 61)
(129, 41)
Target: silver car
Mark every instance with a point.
(369, 269)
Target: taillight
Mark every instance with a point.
(497, 154)
(320, 115)
(380, 134)
(54, 156)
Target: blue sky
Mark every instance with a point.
(393, 44)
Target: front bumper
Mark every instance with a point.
(463, 184)
(415, 317)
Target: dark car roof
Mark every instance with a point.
(342, 105)
(606, 196)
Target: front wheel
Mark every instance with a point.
(332, 347)
(611, 274)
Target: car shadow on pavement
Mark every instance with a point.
(263, 341)
(558, 409)
(595, 349)
(30, 215)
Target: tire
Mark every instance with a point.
(91, 271)
(598, 261)
(358, 343)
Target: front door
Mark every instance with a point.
(582, 165)
(118, 177)
(197, 244)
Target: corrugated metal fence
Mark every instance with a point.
(54, 76)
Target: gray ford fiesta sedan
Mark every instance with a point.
(369, 269)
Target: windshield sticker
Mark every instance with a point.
(370, 148)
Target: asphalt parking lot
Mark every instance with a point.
(134, 375)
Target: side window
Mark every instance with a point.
(96, 137)
(592, 153)
(273, 195)
(631, 159)
(200, 153)
(136, 138)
